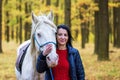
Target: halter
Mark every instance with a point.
(41, 45)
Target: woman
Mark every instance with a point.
(69, 66)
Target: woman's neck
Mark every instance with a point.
(62, 47)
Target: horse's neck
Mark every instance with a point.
(32, 45)
(33, 50)
(29, 61)
(32, 53)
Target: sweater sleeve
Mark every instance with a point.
(41, 65)
(79, 67)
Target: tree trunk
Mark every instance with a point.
(7, 38)
(83, 34)
(17, 22)
(12, 32)
(118, 28)
(48, 2)
(20, 28)
(67, 11)
(103, 51)
(56, 15)
(87, 32)
(17, 33)
(27, 24)
(116, 22)
(84, 26)
(20, 23)
(96, 30)
(115, 27)
(7, 32)
(1, 26)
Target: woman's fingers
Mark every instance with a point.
(48, 49)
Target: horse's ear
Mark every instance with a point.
(34, 18)
(50, 16)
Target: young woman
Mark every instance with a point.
(69, 66)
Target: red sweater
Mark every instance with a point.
(61, 71)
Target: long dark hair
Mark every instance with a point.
(68, 31)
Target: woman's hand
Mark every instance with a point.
(47, 50)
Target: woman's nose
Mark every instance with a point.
(62, 36)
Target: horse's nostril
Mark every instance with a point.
(48, 58)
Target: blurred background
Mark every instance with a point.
(95, 27)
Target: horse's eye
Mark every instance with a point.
(39, 35)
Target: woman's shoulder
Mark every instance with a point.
(72, 49)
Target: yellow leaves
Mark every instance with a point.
(84, 2)
(117, 4)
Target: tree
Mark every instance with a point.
(116, 22)
(84, 24)
(17, 22)
(96, 28)
(48, 2)
(56, 15)
(67, 12)
(7, 28)
(20, 22)
(12, 33)
(27, 24)
(103, 43)
(1, 26)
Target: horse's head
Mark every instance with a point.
(43, 33)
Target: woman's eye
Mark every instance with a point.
(65, 35)
(59, 34)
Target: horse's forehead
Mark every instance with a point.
(45, 31)
(44, 24)
(42, 18)
(43, 27)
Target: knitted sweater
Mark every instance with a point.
(61, 71)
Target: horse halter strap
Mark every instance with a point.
(41, 45)
(44, 43)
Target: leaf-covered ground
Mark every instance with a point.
(95, 70)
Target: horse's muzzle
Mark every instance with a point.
(52, 61)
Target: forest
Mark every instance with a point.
(95, 27)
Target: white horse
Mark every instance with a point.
(42, 33)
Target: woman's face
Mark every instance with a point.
(62, 37)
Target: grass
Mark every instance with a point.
(95, 70)
(100, 70)
(7, 61)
